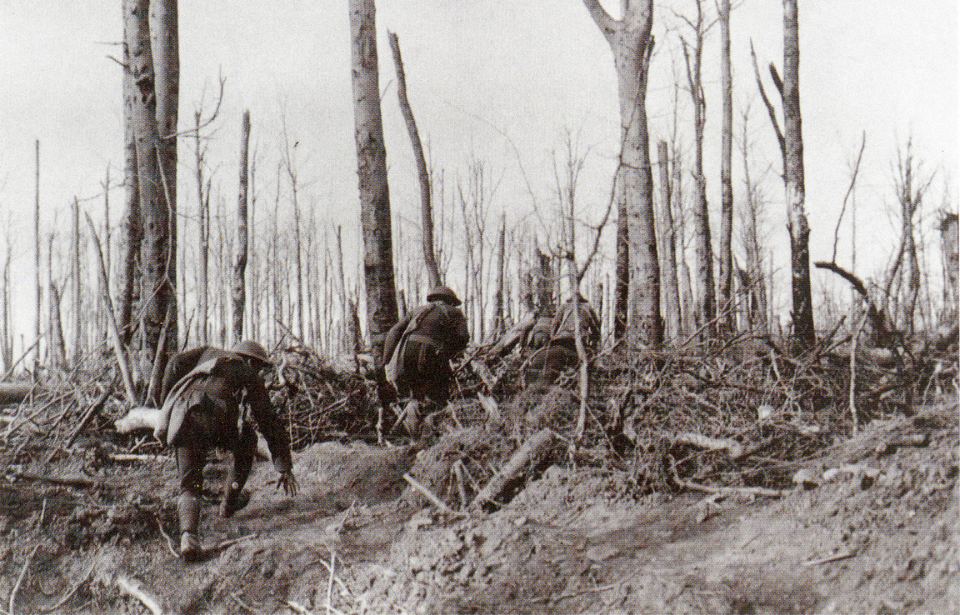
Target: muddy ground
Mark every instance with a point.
(874, 530)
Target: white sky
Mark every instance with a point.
(477, 71)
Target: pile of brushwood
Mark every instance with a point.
(320, 402)
(743, 414)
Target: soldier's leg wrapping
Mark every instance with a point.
(190, 462)
(243, 454)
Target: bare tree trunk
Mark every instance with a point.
(703, 270)
(498, 326)
(372, 170)
(58, 354)
(36, 257)
(756, 288)
(668, 257)
(254, 253)
(132, 225)
(726, 181)
(156, 247)
(240, 266)
(803, 328)
(6, 334)
(77, 287)
(631, 42)
(341, 281)
(426, 210)
(203, 216)
(165, 43)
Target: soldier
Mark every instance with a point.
(418, 350)
(209, 397)
(560, 353)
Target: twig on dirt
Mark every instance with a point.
(23, 573)
(69, 481)
(70, 593)
(773, 493)
(329, 604)
(166, 536)
(242, 603)
(574, 594)
(132, 587)
(832, 558)
(232, 541)
(429, 495)
(299, 608)
(343, 586)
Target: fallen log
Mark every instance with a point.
(527, 456)
(733, 448)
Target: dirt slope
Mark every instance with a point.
(880, 536)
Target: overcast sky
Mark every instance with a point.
(496, 81)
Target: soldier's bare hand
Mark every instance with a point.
(289, 483)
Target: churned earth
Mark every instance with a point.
(871, 528)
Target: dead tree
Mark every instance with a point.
(631, 43)
(131, 231)
(156, 248)
(375, 218)
(78, 315)
(725, 288)
(57, 352)
(706, 309)
(203, 221)
(240, 266)
(36, 256)
(949, 237)
(803, 328)
(668, 257)
(164, 25)
(426, 210)
(755, 286)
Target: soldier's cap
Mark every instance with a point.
(444, 293)
(250, 348)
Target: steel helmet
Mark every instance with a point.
(252, 349)
(444, 293)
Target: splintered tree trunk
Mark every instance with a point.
(545, 280)
(6, 334)
(240, 266)
(426, 209)
(496, 330)
(668, 259)
(803, 329)
(949, 238)
(756, 289)
(375, 219)
(631, 43)
(57, 350)
(725, 289)
(155, 251)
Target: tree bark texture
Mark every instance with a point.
(36, 255)
(426, 209)
(803, 328)
(132, 225)
(375, 218)
(240, 266)
(631, 42)
(725, 288)
(155, 249)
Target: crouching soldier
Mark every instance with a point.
(210, 395)
(418, 350)
(560, 353)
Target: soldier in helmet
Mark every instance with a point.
(209, 397)
(418, 350)
(560, 352)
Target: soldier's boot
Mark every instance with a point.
(188, 507)
(411, 418)
(235, 497)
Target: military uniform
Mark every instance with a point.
(210, 396)
(419, 348)
(547, 363)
